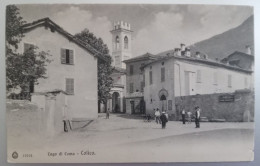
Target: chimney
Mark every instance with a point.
(205, 56)
(175, 51)
(178, 51)
(197, 55)
(249, 51)
(187, 52)
(182, 47)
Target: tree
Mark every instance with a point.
(26, 68)
(14, 22)
(104, 66)
(21, 68)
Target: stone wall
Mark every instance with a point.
(239, 110)
(52, 110)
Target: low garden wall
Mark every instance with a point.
(233, 107)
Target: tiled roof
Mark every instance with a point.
(240, 53)
(119, 70)
(141, 57)
(198, 60)
(48, 23)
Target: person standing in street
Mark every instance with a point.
(183, 112)
(164, 120)
(197, 116)
(157, 116)
(189, 116)
(167, 115)
(107, 114)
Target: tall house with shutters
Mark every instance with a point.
(73, 68)
(122, 43)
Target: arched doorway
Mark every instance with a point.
(163, 94)
(116, 102)
(163, 101)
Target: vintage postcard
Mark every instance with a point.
(129, 83)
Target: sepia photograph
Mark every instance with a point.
(129, 83)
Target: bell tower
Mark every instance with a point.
(121, 43)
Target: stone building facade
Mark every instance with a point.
(181, 74)
(135, 83)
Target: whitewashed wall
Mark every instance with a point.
(83, 104)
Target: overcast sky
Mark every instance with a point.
(156, 28)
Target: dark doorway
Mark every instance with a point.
(132, 107)
(116, 102)
(163, 102)
(142, 107)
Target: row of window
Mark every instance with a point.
(215, 79)
(131, 87)
(162, 76)
(199, 77)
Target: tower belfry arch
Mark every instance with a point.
(122, 45)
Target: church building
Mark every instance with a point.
(121, 50)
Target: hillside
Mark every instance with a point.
(222, 45)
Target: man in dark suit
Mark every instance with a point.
(183, 112)
(197, 116)
(164, 120)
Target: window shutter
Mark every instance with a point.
(142, 86)
(67, 85)
(71, 56)
(63, 56)
(151, 77)
(131, 87)
(162, 74)
(70, 86)
(131, 69)
(198, 76)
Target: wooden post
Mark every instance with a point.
(99, 106)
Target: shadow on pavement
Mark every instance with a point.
(127, 116)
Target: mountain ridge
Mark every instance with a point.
(224, 44)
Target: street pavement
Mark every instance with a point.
(128, 138)
(122, 129)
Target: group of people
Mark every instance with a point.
(162, 118)
(189, 116)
